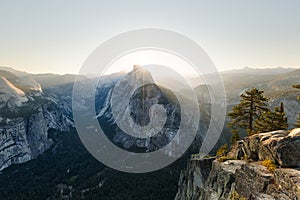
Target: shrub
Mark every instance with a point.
(236, 196)
(225, 158)
(223, 150)
(269, 164)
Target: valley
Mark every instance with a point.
(42, 157)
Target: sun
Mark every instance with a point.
(149, 57)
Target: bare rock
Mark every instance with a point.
(193, 179)
(295, 132)
(252, 180)
(286, 184)
(287, 151)
(241, 179)
(221, 181)
(280, 146)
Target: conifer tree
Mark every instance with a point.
(272, 120)
(251, 106)
(235, 136)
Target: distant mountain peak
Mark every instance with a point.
(10, 95)
(136, 67)
(253, 70)
(14, 71)
(10, 87)
(139, 75)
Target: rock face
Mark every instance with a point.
(252, 180)
(26, 115)
(137, 99)
(193, 179)
(248, 179)
(23, 139)
(281, 147)
(28, 109)
(10, 95)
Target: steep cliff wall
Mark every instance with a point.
(26, 115)
(251, 178)
(24, 138)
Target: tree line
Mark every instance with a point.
(254, 115)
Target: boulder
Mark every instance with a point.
(295, 132)
(257, 147)
(280, 146)
(287, 151)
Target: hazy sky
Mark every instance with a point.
(57, 36)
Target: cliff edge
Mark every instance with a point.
(261, 166)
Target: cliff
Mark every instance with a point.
(262, 166)
(26, 115)
(137, 98)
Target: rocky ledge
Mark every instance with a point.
(261, 166)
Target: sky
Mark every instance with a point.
(57, 36)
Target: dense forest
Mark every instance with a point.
(67, 170)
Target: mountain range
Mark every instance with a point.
(36, 121)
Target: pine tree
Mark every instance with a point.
(272, 120)
(251, 106)
(235, 136)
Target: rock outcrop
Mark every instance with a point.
(26, 115)
(10, 95)
(24, 138)
(281, 147)
(193, 179)
(244, 175)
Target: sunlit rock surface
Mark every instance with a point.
(26, 115)
(248, 179)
